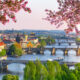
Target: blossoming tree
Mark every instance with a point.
(8, 8)
(68, 12)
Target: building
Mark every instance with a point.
(32, 38)
(29, 45)
(8, 43)
(18, 38)
(2, 46)
(24, 40)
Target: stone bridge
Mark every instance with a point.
(52, 50)
(4, 64)
(68, 41)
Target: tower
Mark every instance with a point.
(18, 38)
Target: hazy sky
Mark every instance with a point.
(34, 19)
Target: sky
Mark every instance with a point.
(33, 20)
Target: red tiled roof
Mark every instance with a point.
(2, 43)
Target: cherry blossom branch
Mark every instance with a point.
(10, 7)
(69, 12)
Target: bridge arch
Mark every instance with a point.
(71, 52)
(47, 52)
(59, 52)
(16, 67)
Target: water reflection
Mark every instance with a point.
(16, 67)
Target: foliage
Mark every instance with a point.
(47, 71)
(50, 71)
(8, 8)
(10, 77)
(17, 45)
(15, 50)
(30, 71)
(68, 13)
(41, 71)
(49, 40)
(38, 46)
(43, 43)
(78, 39)
(3, 53)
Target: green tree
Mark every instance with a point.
(43, 43)
(57, 67)
(77, 39)
(77, 71)
(3, 53)
(72, 77)
(15, 51)
(64, 75)
(41, 71)
(30, 71)
(51, 70)
(50, 40)
(10, 77)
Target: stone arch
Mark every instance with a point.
(71, 52)
(59, 52)
(19, 67)
(47, 52)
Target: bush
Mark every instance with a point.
(10, 77)
(3, 53)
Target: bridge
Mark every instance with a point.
(53, 50)
(4, 64)
(68, 41)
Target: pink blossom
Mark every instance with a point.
(10, 7)
(69, 12)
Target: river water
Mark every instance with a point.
(17, 69)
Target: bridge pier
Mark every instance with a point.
(41, 52)
(53, 51)
(78, 52)
(65, 52)
(29, 52)
(3, 68)
(59, 43)
(69, 44)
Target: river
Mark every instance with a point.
(17, 69)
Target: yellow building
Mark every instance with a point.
(26, 37)
(24, 41)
